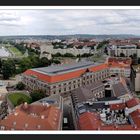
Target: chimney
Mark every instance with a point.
(42, 117)
(25, 105)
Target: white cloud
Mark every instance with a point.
(27, 22)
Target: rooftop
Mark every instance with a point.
(64, 68)
(119, 89)
(84, 93)
(136, 68)
(111, 117)
(35, 117)
(54, 100)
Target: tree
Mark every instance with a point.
(35, 61)
(20, 101)
(44, 62)
(86, 55)
(57, 55)
(56, 61)
(37, 95)
(68, 55)
(20, 86)
(25, 64)
(0, 65)
(103, 43)
(139, 60)
(122, 55)
(134, 56)
(8, 68)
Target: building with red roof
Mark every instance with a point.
(60, 79)
(120, 66)
(113, 118)
(33, 117)
(132, 102)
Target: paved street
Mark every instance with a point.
(67, 114)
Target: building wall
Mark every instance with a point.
(48, 47)
(137, 82)
(121, 71)
(66, 85)
(127, 52)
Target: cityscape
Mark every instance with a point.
(69, 70)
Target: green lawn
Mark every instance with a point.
(15, 97)
(15, 51)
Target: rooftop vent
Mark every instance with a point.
(25, 105)
(38, 126)
(14, 123)
(26, 125)
(15, 113)
(42, 117)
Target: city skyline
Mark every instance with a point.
(63, 22)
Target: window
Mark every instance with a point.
(2, 127)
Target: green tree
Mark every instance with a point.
(35, 61)
(37, 95)
(56, 61)
(122, 55)
(8, 68)
(20, 86)
(20, 101)
(44, 62)
(0, 65)
(68, 55)
(57, 55)
(25, 64)
(102, 44)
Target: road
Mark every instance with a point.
(67, 113)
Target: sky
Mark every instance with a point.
(62, 22)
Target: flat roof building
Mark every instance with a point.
(64, 78)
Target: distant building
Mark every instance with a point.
(135, 77)
(48, 47)
(127, 50)
(120, 66)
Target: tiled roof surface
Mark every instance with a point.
(132, 102)
(62, 77)
(33, 117)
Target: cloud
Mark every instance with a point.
(27, 22)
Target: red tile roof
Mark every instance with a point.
(63, 77)
(136, 117)
(91, 121)
(88, 121)
(33, 117)
(119, 62)
(132, 102)
(117, 106)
